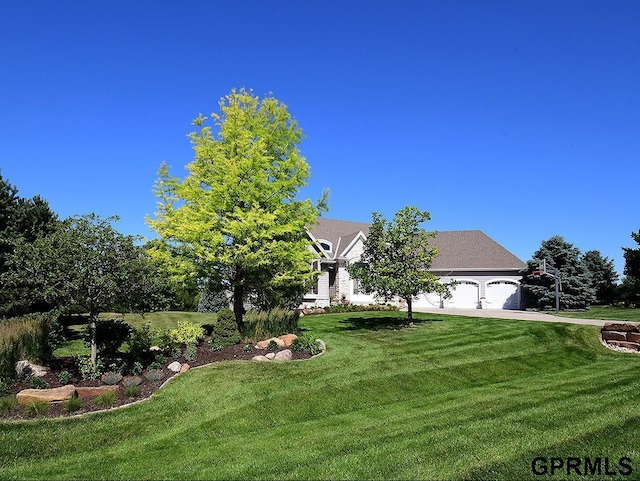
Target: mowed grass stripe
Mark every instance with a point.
(414, 405)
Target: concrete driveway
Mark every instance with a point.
(504, 314)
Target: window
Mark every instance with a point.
(325, 245)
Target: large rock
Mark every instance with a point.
(185, 367)
(270, 355)
(634, 346)
(288, 339)
(260, 358)
(614, 336)
(175, 366)
(323, 346)
(26, 369)
(54, 395)
(285, 355)
(94, 391)
(633, 336)
(264, 344)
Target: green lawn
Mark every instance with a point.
(452, 398)
(604, 312)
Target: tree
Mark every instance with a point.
(85, 265)
(539, 292)
(21, 221)
(234, 221)
(603, 278)
(397, 257)
(630, 288)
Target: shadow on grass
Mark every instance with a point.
(381, 323)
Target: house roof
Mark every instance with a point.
(459, 250)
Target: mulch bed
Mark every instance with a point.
(147, 388)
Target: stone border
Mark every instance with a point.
(621, 336)
(79, 416)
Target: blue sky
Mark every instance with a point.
(521, 119)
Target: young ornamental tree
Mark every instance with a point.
(85, 265)
(234, 221)
(397, 257)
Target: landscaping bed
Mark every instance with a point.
(147, 387)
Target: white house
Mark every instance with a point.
(486, 273)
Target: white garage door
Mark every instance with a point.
(427, 300)
(502, 295)
(465, 295)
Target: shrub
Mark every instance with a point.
(186, 333)
(214, 347)
(247, 348)
(190, 353)
(107, 398)
(33, 337)
(225, 330)
(4, 389)
(88, 369)
(111, 378)
(176, 353)
(154, 366)
(8, 404)
(306, 342)
(154, 375)
(36, 408)
(132, 391)
(71, 405)
(136, 369)
(64, 377)
(273, 346)
(110, 335)
(272, 323)
(140, 342)
(38, 383)
(131, 381)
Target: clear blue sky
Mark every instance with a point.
(521, 119)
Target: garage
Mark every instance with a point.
(465, 295)
(503, 295)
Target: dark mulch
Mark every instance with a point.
(147, 388)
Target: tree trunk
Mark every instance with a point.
(409, 310)
(94, 344)
(238, 307)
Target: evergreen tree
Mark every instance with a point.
(603, 277)
(630, 288)
(539, 292)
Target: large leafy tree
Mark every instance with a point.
(86, 265)
(234, 221)
(22, 221)
(630, 287)
(397, 257)
(603, 278)
(539, 291)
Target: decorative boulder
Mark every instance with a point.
(260, 358)
(175, 366)
(93, 391)
(285, 355)
(264, 344)
(323, 346)
(185, 367)
(54, 395)
(288, 339)
(27, 369)
(270, 355)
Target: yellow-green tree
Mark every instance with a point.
(234, 221)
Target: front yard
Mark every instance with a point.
(452, 398)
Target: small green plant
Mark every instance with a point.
(154, 366)
(247, 348)
(154, 375)
(88, 369)
(176, 353)
(140, 342)
(38, 383)
(190, 353)
(225, 330)
(132, 391)
(64, 377)
(107, 398)
(186, 333)
(131, 381)
(4, 389)
(36, 408)
(273, 346)
(160, 359)
(136, 369)
(111, 378)
(71, 405)
(8, 404)
(306, 342)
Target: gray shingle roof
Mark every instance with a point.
(459, 250)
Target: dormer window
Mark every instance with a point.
(325, 245)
